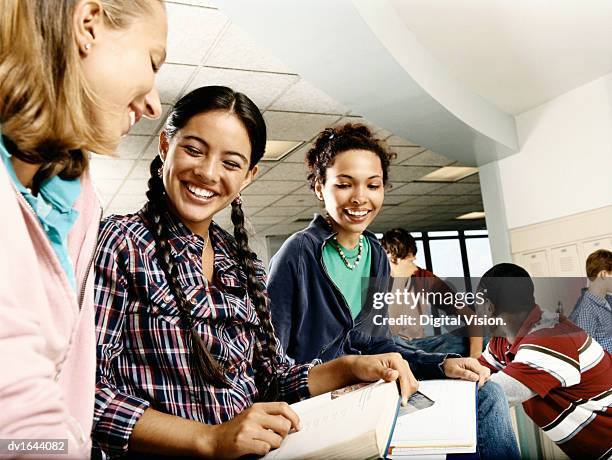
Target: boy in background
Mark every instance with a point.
(556, 370)
(593, 311)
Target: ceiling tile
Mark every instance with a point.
(299, 154)
(401, 173)
(473, 179)
(378, 132)
(171, 79)
(259, 200)
(134, 202)
(428, 158)
(110, 168)
(304, 97)
(248, 211)
(289, 126)
(397, 199)
(199, 27)
(280, 211)
(455, 210)
(298, 200)
(458, 189)
(404, 153)
(266, 220)
(237, 50)
(415, 188)
(285, 229)
(132, 146)
(465, 199)
(427, 200)
(263, 187)
(135, 187)
(151, 127)
(108, 186)
(152, 150)
(287, 171)
(141, 170)
(393, 210)
(225, 213)
(261, 87)
(309, 213)
(400, 141)
(203, 3)
(303, 190)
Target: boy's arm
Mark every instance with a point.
(515, 391)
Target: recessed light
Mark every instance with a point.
(471, 216)
(276, 150)
(449, 174)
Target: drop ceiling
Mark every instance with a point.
(205, 48)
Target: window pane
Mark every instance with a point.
(444, 233)
(420, 257)
(479, 256)
(446, 258)
(476, 232)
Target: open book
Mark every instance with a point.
(448, 426)
(355, 422)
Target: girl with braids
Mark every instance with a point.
(189, 363)
(75, 75)
(323, 279)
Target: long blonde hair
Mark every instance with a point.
(45, 102)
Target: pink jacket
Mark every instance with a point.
(47, 339)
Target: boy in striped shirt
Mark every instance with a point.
(560, 374)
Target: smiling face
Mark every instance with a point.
(353, 191)
(119, 66)
(206, 165)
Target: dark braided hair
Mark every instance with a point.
(333, 141)
(202, 100)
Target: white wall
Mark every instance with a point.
(565, 162)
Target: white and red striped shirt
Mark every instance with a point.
(571, 375)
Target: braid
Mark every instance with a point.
(255, 289)
(204, 364)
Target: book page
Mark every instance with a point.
(451, 421)
(328, 422)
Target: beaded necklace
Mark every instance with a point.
(338, 246)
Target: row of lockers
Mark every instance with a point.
(568, 260)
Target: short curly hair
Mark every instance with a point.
(600, 260)
(333, 141)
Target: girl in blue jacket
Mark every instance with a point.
(324, 279)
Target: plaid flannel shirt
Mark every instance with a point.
(143, 356)
(594, 314)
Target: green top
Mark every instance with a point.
(348, 281)
(53, 206)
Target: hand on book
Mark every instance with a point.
(466, 369)
(387, 366)
(256, 430)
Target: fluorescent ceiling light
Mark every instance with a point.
(449, 174)
(275, 150)
(471, 216)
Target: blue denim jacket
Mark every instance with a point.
(310, 315)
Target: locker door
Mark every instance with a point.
(565, 261)
(536, 263)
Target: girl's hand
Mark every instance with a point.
(257, 430)
(388, 366)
